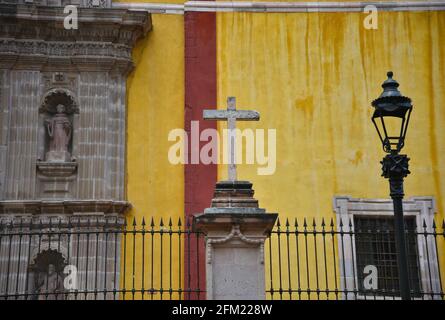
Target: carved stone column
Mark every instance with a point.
(236, 229)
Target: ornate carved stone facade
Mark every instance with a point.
(60, 3)
(43, 65)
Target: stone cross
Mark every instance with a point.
(231, 115)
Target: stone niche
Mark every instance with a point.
(56, 169)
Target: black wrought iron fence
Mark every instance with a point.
(354, 259)
(111, 259)
(99, 258)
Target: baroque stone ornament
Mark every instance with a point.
(98, 3)
(57, 96)
(395, 168)
(31, 37)
(66, 114)
(60, 3)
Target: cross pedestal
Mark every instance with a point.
(235, 227)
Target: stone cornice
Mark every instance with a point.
(120, 17)
(70, 207)
(33, 37)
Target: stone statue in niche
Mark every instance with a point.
(51, 285)
(59, 130)
(45, 276)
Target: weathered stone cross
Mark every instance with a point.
(231, 115)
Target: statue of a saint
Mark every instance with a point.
(51, 287)
(59, 130)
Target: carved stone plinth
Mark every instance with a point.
(236, 230)
(58, 156)
(56, 179)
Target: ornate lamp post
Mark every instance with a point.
(391, 118)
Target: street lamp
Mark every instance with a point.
(391, 118)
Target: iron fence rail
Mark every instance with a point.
(319, 261)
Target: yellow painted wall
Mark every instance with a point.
(312, 77)
(155, 188)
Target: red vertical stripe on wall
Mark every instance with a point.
(200, 94)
